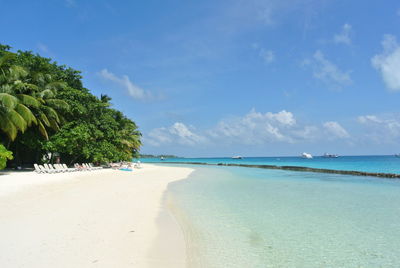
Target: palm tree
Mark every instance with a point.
(27, 98)
(15, 114)
(48, 112)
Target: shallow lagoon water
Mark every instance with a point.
(242, 217)
(380, 163)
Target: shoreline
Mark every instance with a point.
(106, 218)
(298, 168)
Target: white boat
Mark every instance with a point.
(306, 155)
(237, 157)
(326, 155)
(161, 158)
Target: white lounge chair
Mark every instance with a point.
(60, 167)
(48, 169)
(79, 167)
(51, 168)
(37, 169)
(68, 169)
(91, 165)
(85, 167)
(43, 169)
(88, 167)
(57, 168)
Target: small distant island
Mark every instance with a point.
(158, 156)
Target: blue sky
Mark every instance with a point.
(220, 78)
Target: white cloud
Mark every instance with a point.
(327, 71)
(177, 133)
(388, 62)
(133, 90)
(306, 133)
(335, 130)
(253, 128)
(365, 119)
(259, 128)
(344, 36)
(381, 129)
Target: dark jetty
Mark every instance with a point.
(302, 169)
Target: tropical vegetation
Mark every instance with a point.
(45, 111)
(4, 156)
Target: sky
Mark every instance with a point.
(234, 77)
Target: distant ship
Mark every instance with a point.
(326, 155)
(306, 155)
(161, 158)
(397, 155)
(237, 157)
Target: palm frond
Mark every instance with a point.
(43, 130)
(46, 93)
(51, 113)
(54, 86)
(8, 127)
(28, 100)
(54, 125)
(44, 119)
(26, 113)
(18, 121)
(8, 100)
(57, 104)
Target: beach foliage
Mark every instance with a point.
(44, 108)
(4, 156)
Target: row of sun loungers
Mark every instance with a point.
(125, 165)
(58, 168)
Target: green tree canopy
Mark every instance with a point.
(45, 108)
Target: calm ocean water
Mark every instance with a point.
(385, 164)
(249, 217)
(243, 217)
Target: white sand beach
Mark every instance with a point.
(106, 218)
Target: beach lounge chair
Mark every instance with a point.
(51, 168)
(43, 169)
(85, 166)
(68, 169)
(48, 169)
(37, 169)
(59, 168)
(93, 167)
(89, 165)
(79, 167)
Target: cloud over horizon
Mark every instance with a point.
(336, 130)
(253, 128)
(381, 128)
(388, 62)
(177, 133)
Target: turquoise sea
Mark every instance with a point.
(373, 163)
(249, 217)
